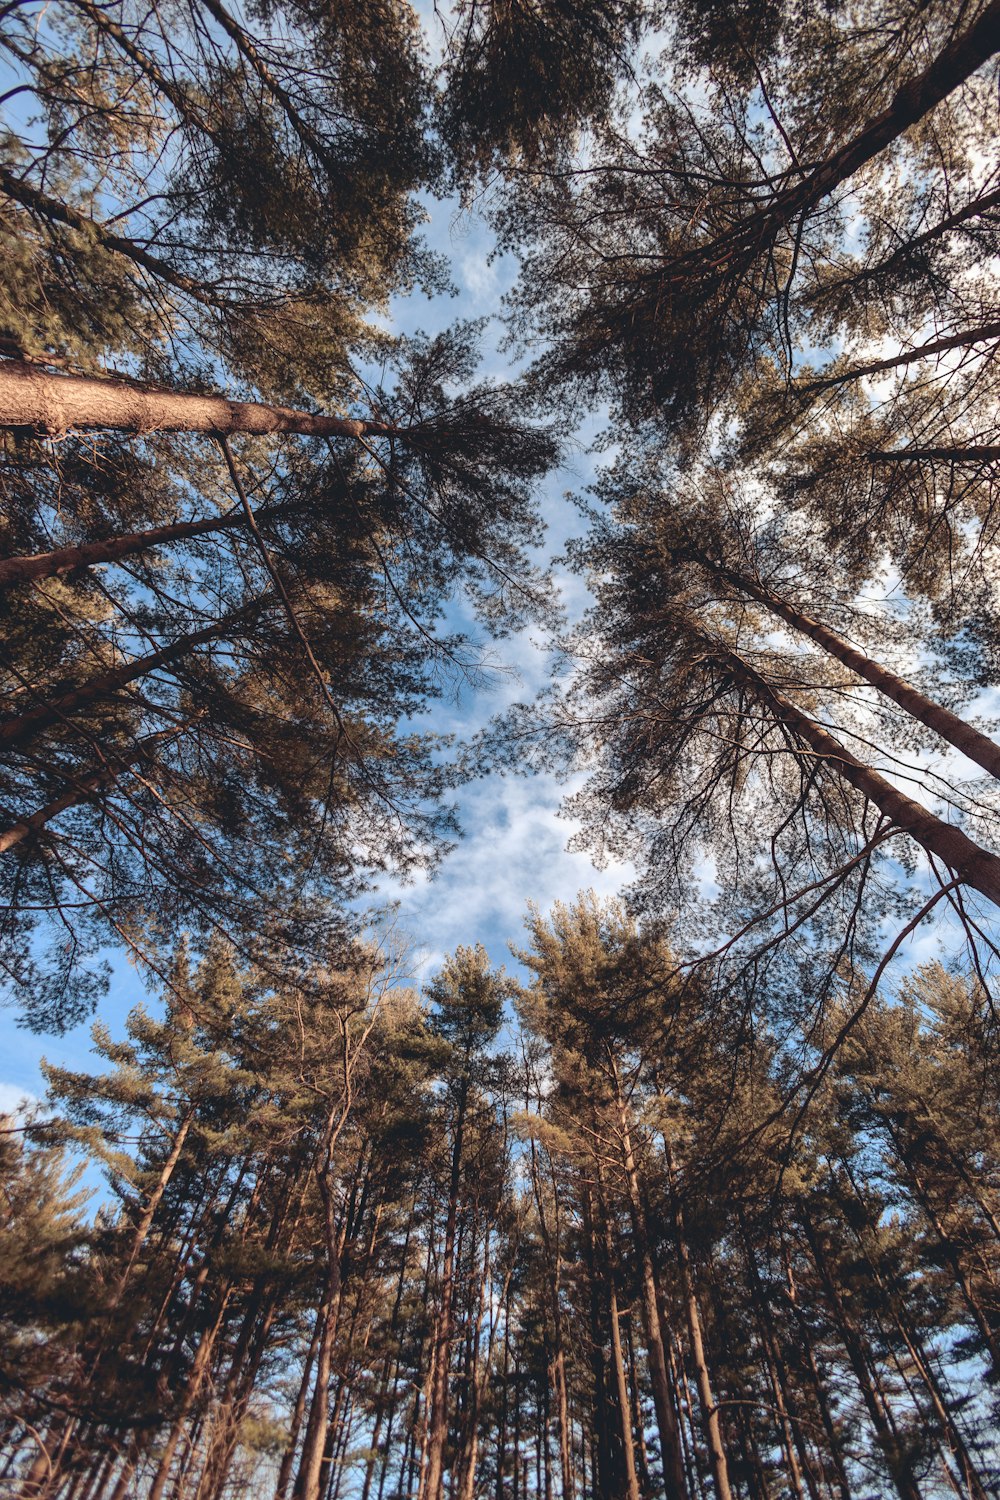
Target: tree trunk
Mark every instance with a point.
(666, 1419)
(15, 731)
(977, 867)
(63, 560)
(978, 747)
(621, 1384)
(963, 339)
(899, 1466)
(706, 1400)
(56, 404)
(970, 455)
(438, 1427)
(911, 102)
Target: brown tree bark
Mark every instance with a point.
(911, 102)
(617, 1357)
(900, 1469)
(51, 208)
(24, 727)
(30, 397)
(974, 865)
(63, 560)
(82, 790)
(706, 1400)
(437, 1434)
(978, 747)
(666, 1419)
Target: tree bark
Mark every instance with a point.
(30, 397)
(666, 1419)
(16, 731)
(63, 560)
(709, 1409)
(438, 1426)
(963, 339)
(977, 867)
(900, 1469)
(911, 102)
(82, 790)
(973, 453)
(978, 747)
(617, 1358)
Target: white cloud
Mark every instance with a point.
(514, 850)
(14, 1099)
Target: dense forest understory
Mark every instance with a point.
(701, 1198)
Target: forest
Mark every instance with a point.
(693, 1192)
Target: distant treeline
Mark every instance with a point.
(577, 1238)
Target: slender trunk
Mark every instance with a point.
(834, 1444)
(899, 1465)
(603, 1486)
(467, 1485)
(984, 1323)
(298, 1412)
(84, 786)
(977, 867)
(26, 726)
(621, 1385)
(706, 1400)
(978, 747)
(192, 1390)
(984, 333)
(777, 1375)
(438, 1428)
(894, 1303)
(63, 560)
(51, 208)
(30, 397)
(900, 257)
(685, 1423)
(973, 454)
(666, 1419)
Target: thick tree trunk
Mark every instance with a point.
(977, 867)
(978, 747)
(56, 404)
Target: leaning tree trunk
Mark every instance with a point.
(972, 864)
(71, 559)
(56, 404)
(910, 103)
(978, 747)
(24, 727)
